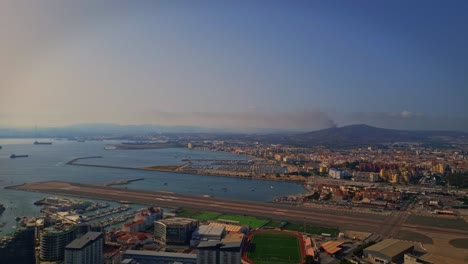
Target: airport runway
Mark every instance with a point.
(384, 228)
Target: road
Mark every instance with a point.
(388, 227)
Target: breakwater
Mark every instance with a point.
(73, 161)
(123, 182)
(191, 171)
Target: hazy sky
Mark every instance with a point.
(267, 64)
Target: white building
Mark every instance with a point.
(87, 249)
(337, 173)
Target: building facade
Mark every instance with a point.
(178, 230)
(156, 257)
(54, 239)
(226, 251)
(87, 249)
(19, 247)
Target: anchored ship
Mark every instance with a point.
(42, 143)
(13, 156)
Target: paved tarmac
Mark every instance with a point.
(388, 227)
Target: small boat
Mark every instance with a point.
(42, 143)
(13, 156)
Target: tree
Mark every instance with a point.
(309, 260)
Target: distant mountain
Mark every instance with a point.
(367, 135)
(103, 129)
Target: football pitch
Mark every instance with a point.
(274, 247)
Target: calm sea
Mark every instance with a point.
(47, 162)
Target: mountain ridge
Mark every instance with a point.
(362, 134)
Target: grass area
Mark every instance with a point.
(274, 247)
(245, 220)
(459, 243)
(254, 222)
(312, 229)
(236, 219)
(437, 222)
(200, 216)
(413, 236)
(205, 216)
(186, 213)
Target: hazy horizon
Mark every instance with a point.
(235, 65)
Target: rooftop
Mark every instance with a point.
(231, 241)
(207, 230)
(161, 254)
(229, 228)
(176, 220)
(390, 247)
(85, 240)
(134, 223)
(331, 247)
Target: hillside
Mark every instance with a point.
(368, 135)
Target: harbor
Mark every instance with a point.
(49, 163)
(249, 169)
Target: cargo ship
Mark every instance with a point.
(13, 156)
(42, 143)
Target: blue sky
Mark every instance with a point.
(241, 64)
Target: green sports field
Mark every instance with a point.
(253, 222)
(274, 247)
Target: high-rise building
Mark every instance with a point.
(19, 247)
(87, 249)
(226, 251)
(157, 257)
(160, 232)
(177, 230)
(54, 239)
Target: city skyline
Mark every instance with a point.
(275, 65)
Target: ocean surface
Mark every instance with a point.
(47, 162)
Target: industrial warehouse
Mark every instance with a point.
(388, 250)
